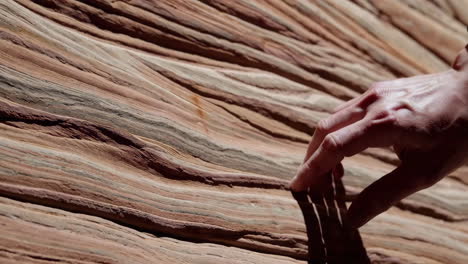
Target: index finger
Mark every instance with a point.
(344, 142)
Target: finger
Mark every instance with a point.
(328, 156)
(382, 194)
(389, 85)
(363, 100)
(331, 124)
(346, 104)
(347, 141)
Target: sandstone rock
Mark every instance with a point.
(166, 131)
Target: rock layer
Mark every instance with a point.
(166, 131)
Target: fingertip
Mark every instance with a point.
(296, 186)
(298, 183)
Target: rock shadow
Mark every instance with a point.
(330, 239)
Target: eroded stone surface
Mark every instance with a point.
(186, 119)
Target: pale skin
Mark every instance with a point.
(423, 118)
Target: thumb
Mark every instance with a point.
(383, 193)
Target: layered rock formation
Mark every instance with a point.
(166, 131)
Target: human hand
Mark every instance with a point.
(424, 118)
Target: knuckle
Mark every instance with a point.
(357, 110)
(394, 123)
(385, 117)
(322, 126)
(374, 85)
(386, 124)
(374, 90)
(373, 94)
(377, 91)
(384, 113)
(302, 170)
(330, 143)
(307, 166)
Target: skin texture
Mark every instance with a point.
(423, 118)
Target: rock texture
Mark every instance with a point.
(166, 131)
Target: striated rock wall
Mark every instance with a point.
(166, 131)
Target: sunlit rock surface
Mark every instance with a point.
(166, 131)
